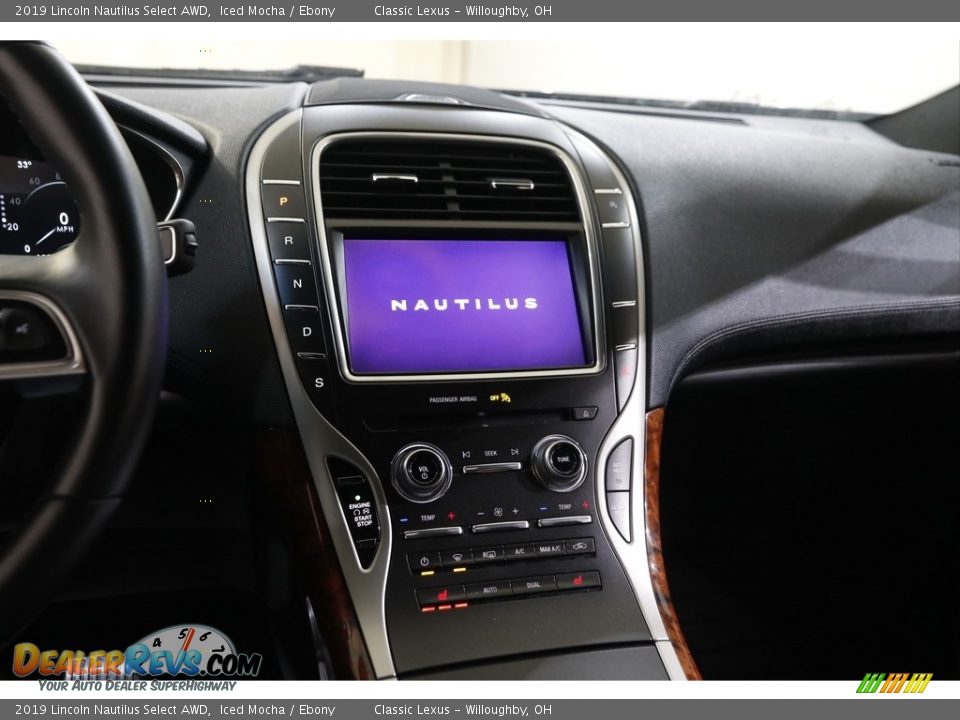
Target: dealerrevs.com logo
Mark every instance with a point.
(888, 683)
(180, 650)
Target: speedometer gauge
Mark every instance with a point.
(38, 216)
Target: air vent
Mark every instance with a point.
(444, 180)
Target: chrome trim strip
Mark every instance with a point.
(624, 303)
(291, 262)
(285, 219)
(492, 468)
(483, 528)
(173, 243)
(313, 308)
(174, 164)
(280, 182)
(311, 356)
(615, 225)
(519, 184)
(380, 177)
(72, 364)
(630, 422)
(625, 347)
(671, 663)
(586, 212)
(321, 440)
(432, 532)
(568, 520)
(607, 191)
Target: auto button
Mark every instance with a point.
(489, 590)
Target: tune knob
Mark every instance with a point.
(559, 463)
(421, 472)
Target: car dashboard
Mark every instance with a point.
(454, 318)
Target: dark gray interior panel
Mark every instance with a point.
(760, 239)
(640, 662)
(219, 343)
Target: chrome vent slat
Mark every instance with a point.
(413, 154)
(395, 166)
(356, 213)
(468, 180)
(461, 196)
(365, 183)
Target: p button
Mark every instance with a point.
(283, 201)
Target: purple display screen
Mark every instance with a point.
(452, 306)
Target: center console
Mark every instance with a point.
(455, 294)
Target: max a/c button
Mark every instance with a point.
(550, 549)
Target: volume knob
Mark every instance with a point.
(421, 472)
(559, 463)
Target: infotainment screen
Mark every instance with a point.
(460, 305)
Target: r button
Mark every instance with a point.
(288, 241)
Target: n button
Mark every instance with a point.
(296, 285)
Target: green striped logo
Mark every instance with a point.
(894, 683)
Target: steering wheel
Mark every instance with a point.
(106, 297)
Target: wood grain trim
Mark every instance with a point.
(288, 487)
(658, 573)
